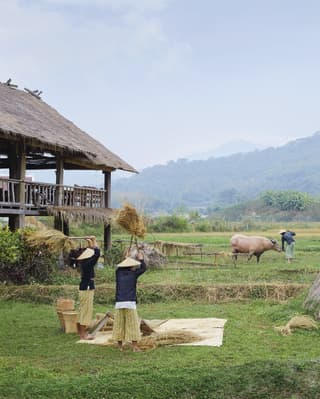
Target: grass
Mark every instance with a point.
(38, 361)
(272, 266)
(221, 270)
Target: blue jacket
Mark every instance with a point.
(126, 282)
(288, 238)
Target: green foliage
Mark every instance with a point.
(203, 226)
(86, 229)
(114, 255)
(22, 264)
(287, 200)
(168, 224)
(10, 244)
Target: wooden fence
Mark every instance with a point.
(41, 195)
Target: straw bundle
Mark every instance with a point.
(130, 221)
(305, 322)
(174, 337)
(54, 240)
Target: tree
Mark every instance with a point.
(287, 200)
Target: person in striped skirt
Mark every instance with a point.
(86, 261)
(126, 326)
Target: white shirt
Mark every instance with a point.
(126, 305)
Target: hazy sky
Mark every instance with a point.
(156, 80)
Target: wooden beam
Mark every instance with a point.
(59, 178)
(107, 203)
(27, 212)
(17, 170)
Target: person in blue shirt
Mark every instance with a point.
(287, 237)
(126, 325)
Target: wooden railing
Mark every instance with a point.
(41, 195)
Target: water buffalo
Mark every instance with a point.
(252, 245)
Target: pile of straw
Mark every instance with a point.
(167, 338)
(174, 337)
(130, 221)
(54, 240)
(305, 322)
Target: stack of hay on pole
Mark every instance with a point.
(133, 223)
(129, 219)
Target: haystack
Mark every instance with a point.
(157, 339)
(301, 321)
(167, 338)
(54, 240)
(129, 219)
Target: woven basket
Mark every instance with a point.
(63, 304)
(70, 321)
(61, 320)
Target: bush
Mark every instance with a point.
(22, 264)
(114, 255)
(169, 224)
(203, 227)
(287, 200)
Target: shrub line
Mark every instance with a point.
(151, 293)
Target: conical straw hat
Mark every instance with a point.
(86, 254)
(129, 262)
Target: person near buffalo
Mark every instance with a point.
(287, 237)
(126, 326)
(86, 261)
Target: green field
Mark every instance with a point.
(272, 266)
(37, 360)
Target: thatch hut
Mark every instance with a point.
(35, 136)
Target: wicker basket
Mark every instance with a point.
(61, 320)
(70, 321)
(63, 305)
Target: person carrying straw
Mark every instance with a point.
(86, 261)
(126, 326)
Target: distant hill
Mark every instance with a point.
(226, 180)
(226, 149)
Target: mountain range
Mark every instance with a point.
(224, 181)
(226, 149)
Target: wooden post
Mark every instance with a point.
(107, 202)
(59, 180)
(17, 170)
(59, 222)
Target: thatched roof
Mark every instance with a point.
(28, 119)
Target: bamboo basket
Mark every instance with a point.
(61, 320)
(70, 321)
(63, 305)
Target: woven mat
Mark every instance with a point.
(209, 329)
